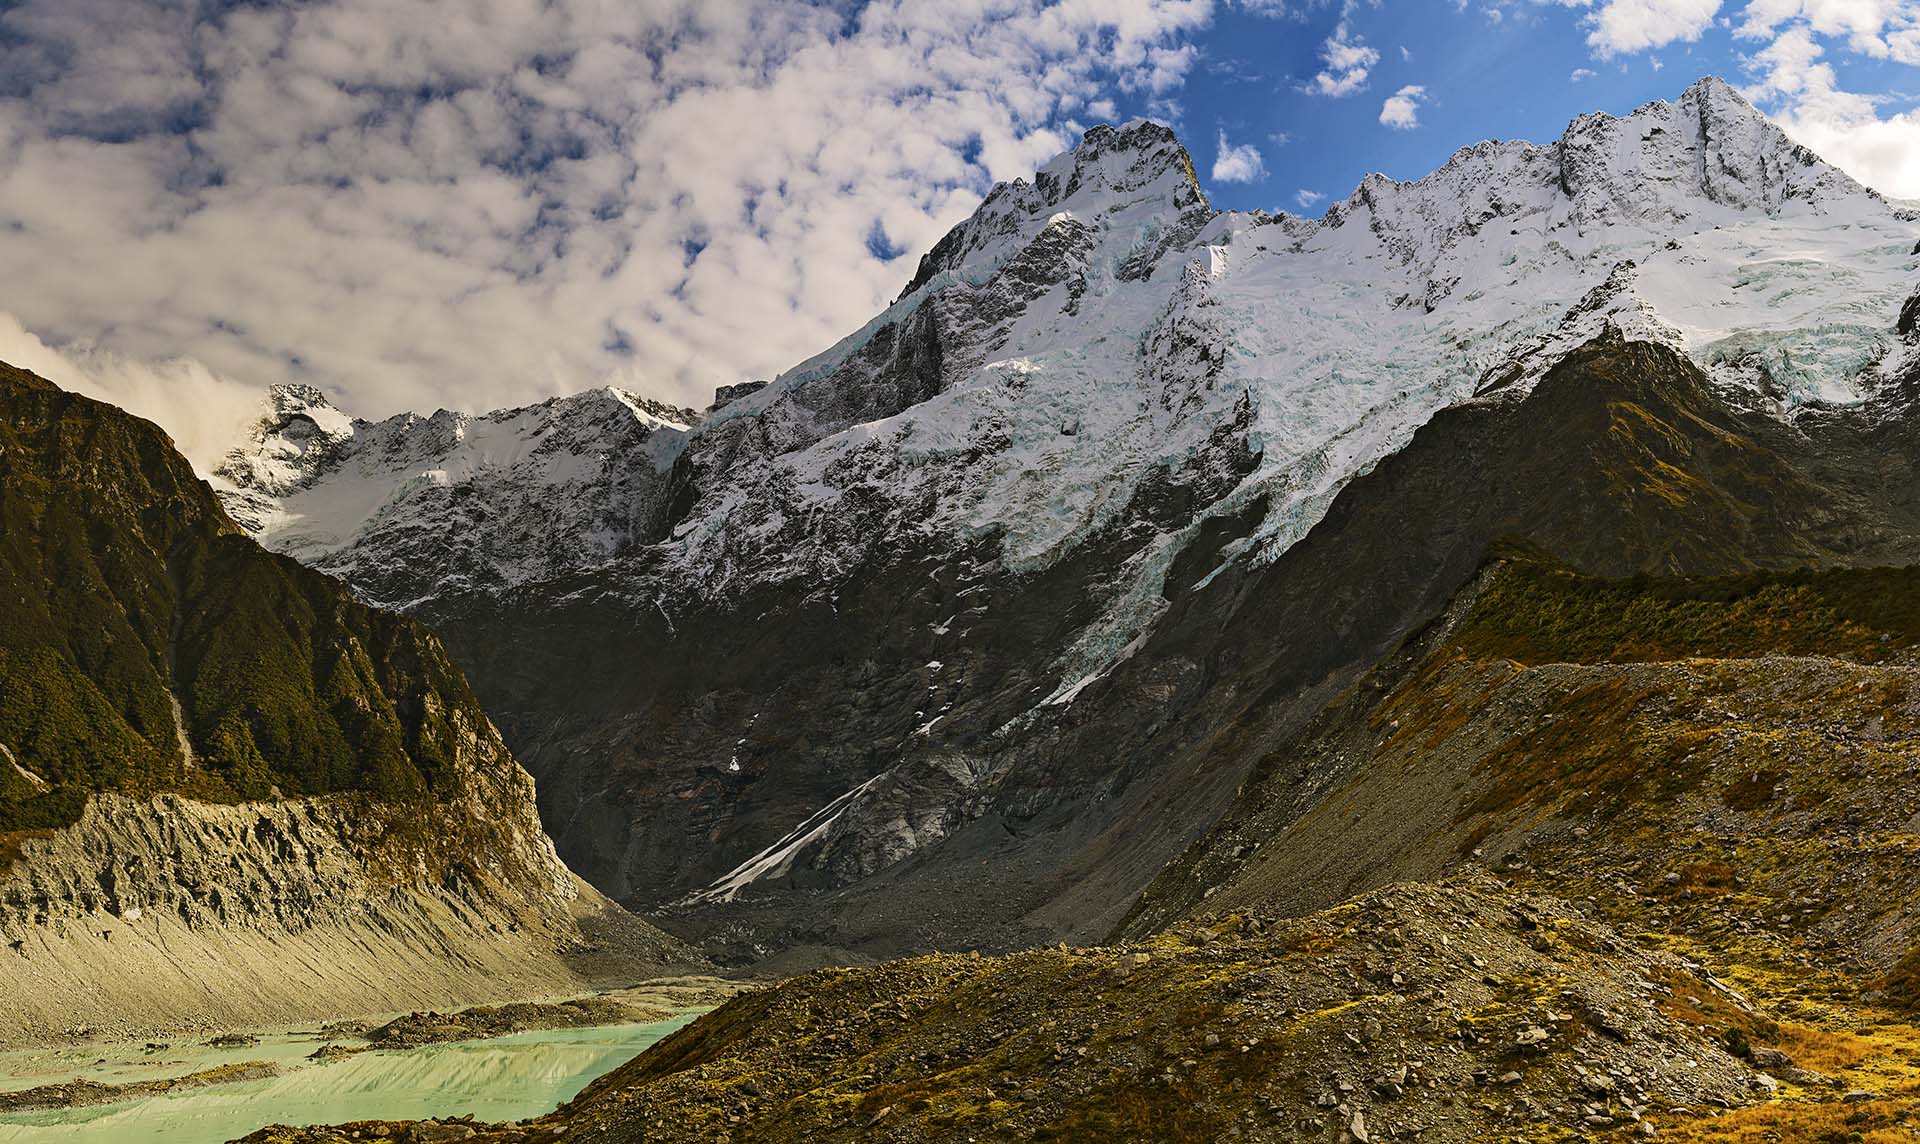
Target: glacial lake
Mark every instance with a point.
(506, 1078)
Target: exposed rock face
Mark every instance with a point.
(726, 395)
(957, 632)
(335, 793)
(453, 503)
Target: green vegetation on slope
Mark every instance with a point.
(124, 588)
(1538, 611)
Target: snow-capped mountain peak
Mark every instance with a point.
(1665, 167)
(1096, 380)
(296, 436)
(299, 434)
(1106, 296)
(1139, 172)
(1711, 144)
(480, 500)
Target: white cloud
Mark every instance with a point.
(1401, 111)
(1883, 153)
(1308, 199)
(1241, 164)
(1347, 63)
(1625, 26)
(419, 204)
(1878, 28)
(1843, 127)
(204, 413)
(1580, 74)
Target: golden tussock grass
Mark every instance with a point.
(1822, 1050)
(1791, 1122)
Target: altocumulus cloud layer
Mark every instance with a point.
(476, 203)
(480, 202)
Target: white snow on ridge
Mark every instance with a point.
(332, 491)
(1344, 335)
(1165, 325)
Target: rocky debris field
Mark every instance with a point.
(1439, 1012)
(446, 1130)
(1721, 768)
(83, 1093)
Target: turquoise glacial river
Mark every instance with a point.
(506, 1078)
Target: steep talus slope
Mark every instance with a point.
(1769, 711)
(1718, 766)
(1445, 1013)
(220, 766)
(955, 633)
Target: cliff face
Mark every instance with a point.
(213, 760)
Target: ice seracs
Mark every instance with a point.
(1097, 361)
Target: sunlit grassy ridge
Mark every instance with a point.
(1744, 811)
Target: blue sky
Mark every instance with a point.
(1520, 74)
(428, 203)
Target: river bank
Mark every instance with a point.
(510, 1061)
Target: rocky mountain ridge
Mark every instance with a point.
(487, 502)
(865, 625)
(219, 760)
(1414, 1012)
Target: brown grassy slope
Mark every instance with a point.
(1724, 767)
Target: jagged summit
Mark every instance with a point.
(1116, 161)
(1711, 157)
(919, 548)
(299, 431)
(1139, 170)
(1710, 145)
(1665, 162)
